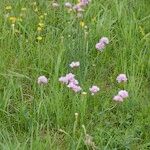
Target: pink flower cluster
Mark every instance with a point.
(75, 64)
(94, 89)
(121, 96)
(71, 82)
(123, 93)
(42, 80)
(102, 43)
(121, 78)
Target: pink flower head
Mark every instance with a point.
(70, 76)
(123, 94)
(104, 40)
(75, 64)
(74, 87)
(42, 80)
(68, 5)
(100, 46)
(78, 8)
(74, 81)
(121, 78)
(118, 98)
(84, 2)
(63, 80)
(94, 89)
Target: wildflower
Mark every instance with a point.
(74, 81)
(118, 98)
(104, 40)
(123, 94)
(76, 114)
(8, 7)
(74, 87)
(63, 80)
(74, 64)
(82, 24)
(39, 38)
(84, 2)
(121, 78)
(42, 80)
(12, 19)
(70, 76)
(55, 5)
(68, 5)
(39, 29)
(41, 24)
(100, 46)
(94, 89)
(84, 93)
(78, 8)
(102, 43)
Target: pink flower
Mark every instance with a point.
(123, 94)
(104, 40)
(70, 76)
(63, 80)
(100, 46)
(75, 64)
(121, 78)
(84, 2)
(74, 87)
(78, 8)
(74, 81)
(42, 80)
(118, 98)
(94, 89)
(68, 5)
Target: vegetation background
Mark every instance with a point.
(38, 39)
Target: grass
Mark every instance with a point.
(43, 117)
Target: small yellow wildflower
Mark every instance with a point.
(12, 19)
(8, 7)
(39, 38)
(84, 93)
(82, 24)
(41, 24)
(39, 29)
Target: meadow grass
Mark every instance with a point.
(41, 117)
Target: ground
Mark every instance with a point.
(40, 38)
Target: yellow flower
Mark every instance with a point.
(82, 24)
(41, 24)
(39, 38)
(12, 19)
(8, 7)
(39, 29)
